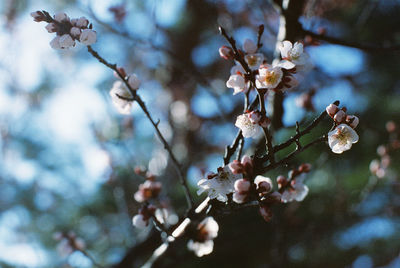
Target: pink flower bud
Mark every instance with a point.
(239, 198)
(236, 167)
(352, 120)
(339, 116)
(305, 168)
(226, 52)
(332, 109)
(281, 180)
(246, 160)
(242, 185)
(38, 16)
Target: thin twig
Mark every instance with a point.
(366, 47)
(143, 106)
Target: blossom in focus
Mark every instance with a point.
(263, 184)
(294, 53)
(121, 96)
(245, 165)
(297, 190)
(269, 77)
(249, 128)
(219, 185)
(203, 244)
(242, 188)
(342, 138)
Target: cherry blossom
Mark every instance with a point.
(238, 83)
(294, 53)
(219, 185)
(342, 138)
(269, 77)
(295, 191)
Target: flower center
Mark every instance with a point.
(271, 77)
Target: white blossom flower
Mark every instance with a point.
(342, 138)
(249, 46)
(254, 60)
(203, 243)
(66, 41)
(134, 81)
(249, 128)
(269, 77)
(237, 69)
(88, 37)
(120, 95)
(293, 53)
(296, 191)
(219, 185)
(55, 43)
(238, 84)
(139, 222)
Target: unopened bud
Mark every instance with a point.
(332, 109)
(226, 52)
(352, 120)
(339, 116)
(242, 185)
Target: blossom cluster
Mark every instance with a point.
(292, 187)
(343, 135)
(380, 167)
(67, 30)
(251, 123)
(122, 91)
(152, 207)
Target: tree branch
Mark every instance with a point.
(366, 47)
(143, 106)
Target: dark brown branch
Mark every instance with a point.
(236, 53)
(366, 47)
(292, 154)
(143, 106)
(301, 133)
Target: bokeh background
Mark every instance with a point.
(67, 157)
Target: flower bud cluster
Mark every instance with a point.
(251, 122)
(292, 188)
(342, 137)
(67, 30)
(381, 167)
(68, 242)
